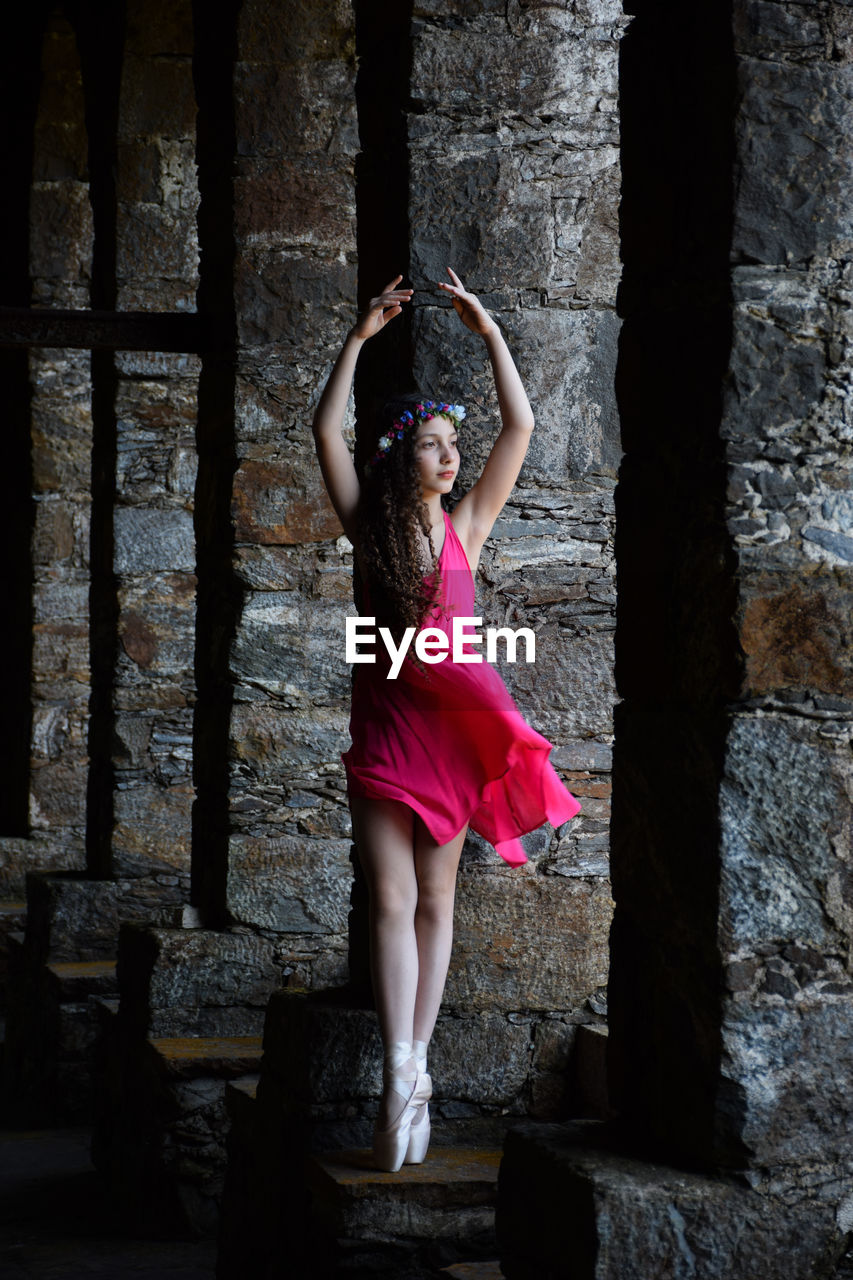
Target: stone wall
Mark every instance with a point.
(217, 578)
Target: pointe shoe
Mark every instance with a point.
(420, 1128)
(412, 1089)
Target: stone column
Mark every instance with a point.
(45, 804)
(155, 411)
(730, 994)
(288, 870)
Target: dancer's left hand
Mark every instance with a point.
(468, 307)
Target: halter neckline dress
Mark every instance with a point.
(448, 740)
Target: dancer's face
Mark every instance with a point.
(437, 455)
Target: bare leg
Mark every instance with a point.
(436, 867)
(384, 835)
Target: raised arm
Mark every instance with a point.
(336, 464)
(476, 513)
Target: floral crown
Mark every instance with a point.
(422, 412)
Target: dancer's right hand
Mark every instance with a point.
(381, 310)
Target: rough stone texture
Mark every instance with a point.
(567, 1209)
(61, 235)
(730, 991)
(154, 561)
(185, 982)
(497, 915)
(513, 181)
(157, 190)
(426, 1216)
(294, 289)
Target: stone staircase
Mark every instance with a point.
(301, 1197)
(202, 1124)
(58, 968)
(185, 1031)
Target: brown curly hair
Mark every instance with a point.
(391, 512)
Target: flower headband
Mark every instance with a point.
(423, 411)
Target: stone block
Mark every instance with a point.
(157, 246)
(160, 30)
(796, 635)
(469, 68)
(300, 108)
(480, 1058)
(320, 1050)
(70, 917)
(785, 862)
(312, 33)
(62, 427)
(53, 533)
(156, 628)
(195, 982)
(566, 359)
(287, 650)
(570, 689)
(623, 1217)
(296, 202)
(152, 541)
(61, 652)
(794, 186)
(58, 795)
(494, 964)
(787, 1074)
(61, 231)
(450, 1196)
(294, 884)
(157, 97)
(589, 1074)
(283, 292)
(509, 238)
(777, 372)
(38, 852)
(282, 502)
(153, 828)
(289, 742)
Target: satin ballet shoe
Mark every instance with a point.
(420, 1128)
(413, 1090)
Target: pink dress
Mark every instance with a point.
(448, 740)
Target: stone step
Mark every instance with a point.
(13, 914)
(568, 1193)
(72, 917)
(474, 1271)
(219, 1057)
(195, 982)
(436, 1214)
(77, 980)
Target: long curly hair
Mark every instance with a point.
(391, 513)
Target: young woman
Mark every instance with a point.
(440, 744)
